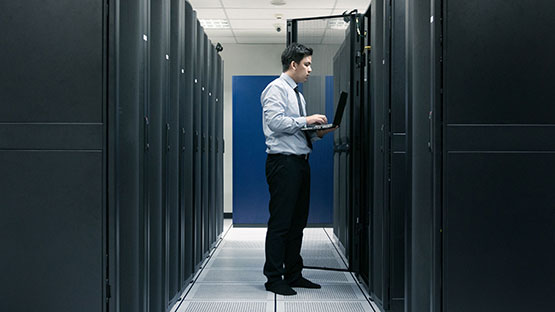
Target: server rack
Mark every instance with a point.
(211, 145)
(130, 158)
(172, 147)
(46, 149)
(197, 123)
(88, 158)
(205, 126)
(480, 128)
(155, 123)
(220, 147)
(187, 149)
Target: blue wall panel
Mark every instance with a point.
(250, 190)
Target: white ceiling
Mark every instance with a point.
(252, 21)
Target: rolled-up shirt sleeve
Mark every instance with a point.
(273, 105)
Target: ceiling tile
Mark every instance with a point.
(223, 40)
(211, 14)
(259, 33)
(219, 32)
(205, 4)
(248, 13)
(265, 39)
(360, 5)
(290, 4)
(257, 24)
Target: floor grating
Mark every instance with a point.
(232, 280)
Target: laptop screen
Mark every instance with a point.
(340, 108)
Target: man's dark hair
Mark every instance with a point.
(294, 52)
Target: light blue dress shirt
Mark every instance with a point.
(281, 119)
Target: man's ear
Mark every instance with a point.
(293, 65)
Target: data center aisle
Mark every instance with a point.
(232, 279)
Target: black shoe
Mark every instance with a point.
(280, 288)
(304, 283)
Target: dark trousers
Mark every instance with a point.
(288, 178)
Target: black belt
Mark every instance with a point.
(302, 156)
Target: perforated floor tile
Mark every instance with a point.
(225, 292)
(318, 306)
(316, 244)
(327, 276)
(238, 244)
(236, 263)
(232, 275)
(244, 253)
(327, 292)
(232, 280)
(222, 306)
(324, 262)
(319, 253)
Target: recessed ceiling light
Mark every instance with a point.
(278, 2)
(214, 23)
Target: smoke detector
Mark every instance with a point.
(278, 2)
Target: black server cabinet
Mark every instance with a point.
(219, 148)
(53, 155)
(172, 146)
(204, 140)
(358, 159)
(212, 141)
(342, 146)
(131, 157)
(493, 82)
(387, 129)
(97, 160)
(155, 123)
(380, 117)
(197, 124)
(186, 151)
(419, 238)
(398, 204)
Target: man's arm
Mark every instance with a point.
(273, 106)
(321, 133)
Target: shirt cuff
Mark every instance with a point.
(301, 121)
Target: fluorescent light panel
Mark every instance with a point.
(214, 23)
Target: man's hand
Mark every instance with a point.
(316, 119)
(321, 133)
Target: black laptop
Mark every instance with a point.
(336, 119)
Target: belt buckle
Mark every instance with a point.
(306, 156)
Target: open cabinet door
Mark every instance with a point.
(337, 42)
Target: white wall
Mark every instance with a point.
(243, 59)
(256, 59)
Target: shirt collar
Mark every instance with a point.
(289, 80)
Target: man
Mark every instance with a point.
(287, 170)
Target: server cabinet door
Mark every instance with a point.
(172, 147)
(419, 243)
(186, 125)
(197, 124)
(212, 140)
(156, 123)
(131, 157)
(219, 148)
(53, 155)
(379, 92)
(498, 154)
(205, 166)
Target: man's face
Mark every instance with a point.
(303, 69)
